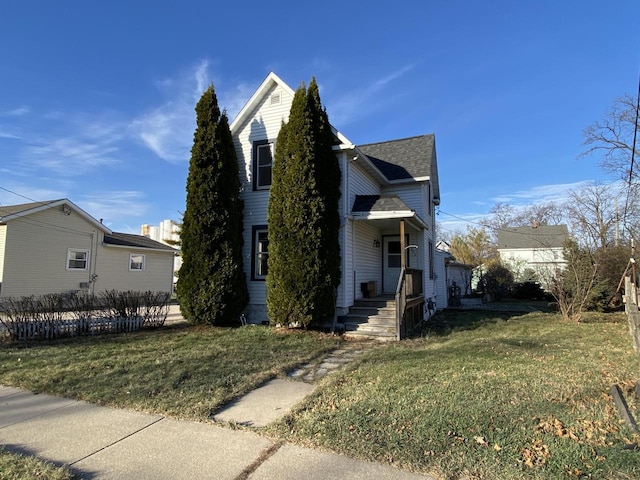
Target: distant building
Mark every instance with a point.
(537, 248)
(168, 232)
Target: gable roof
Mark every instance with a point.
(12, 212)
(136, 241)
(412, 159)
(544, 236)
(397, 161)
(403, 158)
(267, 84)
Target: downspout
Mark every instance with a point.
(94, 276)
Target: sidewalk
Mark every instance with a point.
(105, 443)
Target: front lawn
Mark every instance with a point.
(487, 396)
(184, 372)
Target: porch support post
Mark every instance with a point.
(402, 245)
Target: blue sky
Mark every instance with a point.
(97, 99)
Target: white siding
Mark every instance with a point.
(36, 253)
(360, 183)
(353, 243)
(411, 194)
(3, 237)
(367, 259)
(442, 282)
(264, 124)
(112, 268)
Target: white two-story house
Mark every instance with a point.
(389, 193)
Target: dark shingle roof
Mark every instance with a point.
(131, 240)
(544, 236)
(378, 203)
(403, 159)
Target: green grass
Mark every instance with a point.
(19, 467)
(486, 396)
(183, 372)
(482, 395)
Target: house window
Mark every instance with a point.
(136, 262)
(262, 163)
(260, 249)
(77, 259)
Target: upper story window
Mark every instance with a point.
(262, 163)
(136, 262)
(77, 259)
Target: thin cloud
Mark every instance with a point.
(114, 206)
(71, 156)
(233, 100)
(16, 112)
(167, 130)
(9, 135)
(351, 106)
(541, 194)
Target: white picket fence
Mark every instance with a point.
(49, 329)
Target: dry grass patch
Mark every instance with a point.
(484, 396)
(185, 372)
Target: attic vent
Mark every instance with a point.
(275, 99)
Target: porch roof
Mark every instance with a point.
(385, 210)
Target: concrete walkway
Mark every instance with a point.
(105, 443)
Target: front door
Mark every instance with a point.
(391, 263)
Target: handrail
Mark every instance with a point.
(401, 303)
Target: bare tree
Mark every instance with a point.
(572, 285)
(595, 214)
(613, 137)
(503, 215)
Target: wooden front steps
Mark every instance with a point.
(372, 318)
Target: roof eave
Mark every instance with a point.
(139, 247)
(271, 79)
(58, 203)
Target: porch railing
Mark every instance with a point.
(409, 302)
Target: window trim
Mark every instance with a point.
(87, 258)
(256, 167)
(131, 255)
(255, 231)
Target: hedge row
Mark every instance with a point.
(57, 315)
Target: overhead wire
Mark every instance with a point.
(633, 152)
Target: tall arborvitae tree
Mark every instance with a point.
(304, 253)
(211, 285)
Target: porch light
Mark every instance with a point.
(376, 243)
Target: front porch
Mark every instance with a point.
(387, 316)
(389, 248)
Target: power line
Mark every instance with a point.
(633, 153)
(18, 194)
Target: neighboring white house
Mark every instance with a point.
(538, 248)
(55, 246)
(386, 187)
